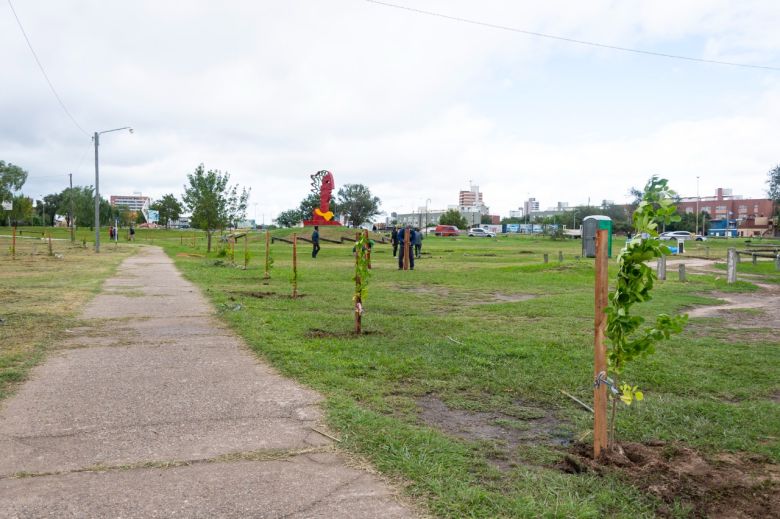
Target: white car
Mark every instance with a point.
(478, 231)
(676, 235)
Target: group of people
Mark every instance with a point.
(397, 239)
(113, 233)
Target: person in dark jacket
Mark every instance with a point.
(402, 247)
(394, 240)
(315, 241)
(418, 238)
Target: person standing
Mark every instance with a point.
(402, 243)
(394, 240)
(418, 238)
(315, 241)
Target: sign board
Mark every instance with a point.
(7, 205)
(154, 216)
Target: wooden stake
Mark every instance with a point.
(51, 251)
(600, 348)
(267, 254)
(13, 244)
(407, 247)
(358, 299)
(731, 265)
(368, 251)
(246, 251)
(295, 266)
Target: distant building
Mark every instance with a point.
(727, 206)
(531, 206)
(133, 203)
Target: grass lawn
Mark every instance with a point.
(455, 389)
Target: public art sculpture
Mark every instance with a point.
(322, 182)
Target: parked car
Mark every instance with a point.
(676, 235)
(446, 230)
(478, 231)
(700, 237)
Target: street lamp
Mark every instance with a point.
(96, 139)
(428, 201)
(697, 205)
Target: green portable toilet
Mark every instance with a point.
(590, 225)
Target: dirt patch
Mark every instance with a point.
(189, 255)
(522, 426)
(316, 333)
(724, 485)
(746, 310)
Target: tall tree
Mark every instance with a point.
(289, 218)
(12, 179)
(214, 204)
(23, 211)
(357, 204)
(169, 208)
(774, 187)
(453, 217)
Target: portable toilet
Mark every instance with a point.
(590, 225)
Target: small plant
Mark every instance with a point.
(635, 279)
(362, 274)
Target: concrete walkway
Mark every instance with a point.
(156, 410)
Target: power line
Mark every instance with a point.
(572, 40)
(43, 71)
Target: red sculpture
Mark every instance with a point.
(322, 182)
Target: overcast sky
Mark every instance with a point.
(411, 105)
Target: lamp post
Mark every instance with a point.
(697, 205)
(96, 139)
(428, 201)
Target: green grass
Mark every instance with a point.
(482, 325)
(485, 326)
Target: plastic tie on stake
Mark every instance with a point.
(602, 378)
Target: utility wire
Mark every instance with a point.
(572, 40)
(43, 71)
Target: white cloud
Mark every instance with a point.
(411, 105)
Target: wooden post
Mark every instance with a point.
(755, 261)
(661, 268)
(358, 299)
(51, 251)
(599, 346)
(407, 248)
(707, 252)
(681, 271)
(560, 256)
(368, 251)
(13, 244)
(267, 254)
(295, 266)
(246, 251)
(731, 265)
(777, 262)
(181, 240)
(546, 257)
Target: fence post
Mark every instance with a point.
(681, 271)
(755, 261)
(731, 265)
(560, 256)
(546, 257)
(13, 244)
(661, 268)
(295, 266)
(51, 251)
(246, 250)
(267, 254)
(599, 346)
